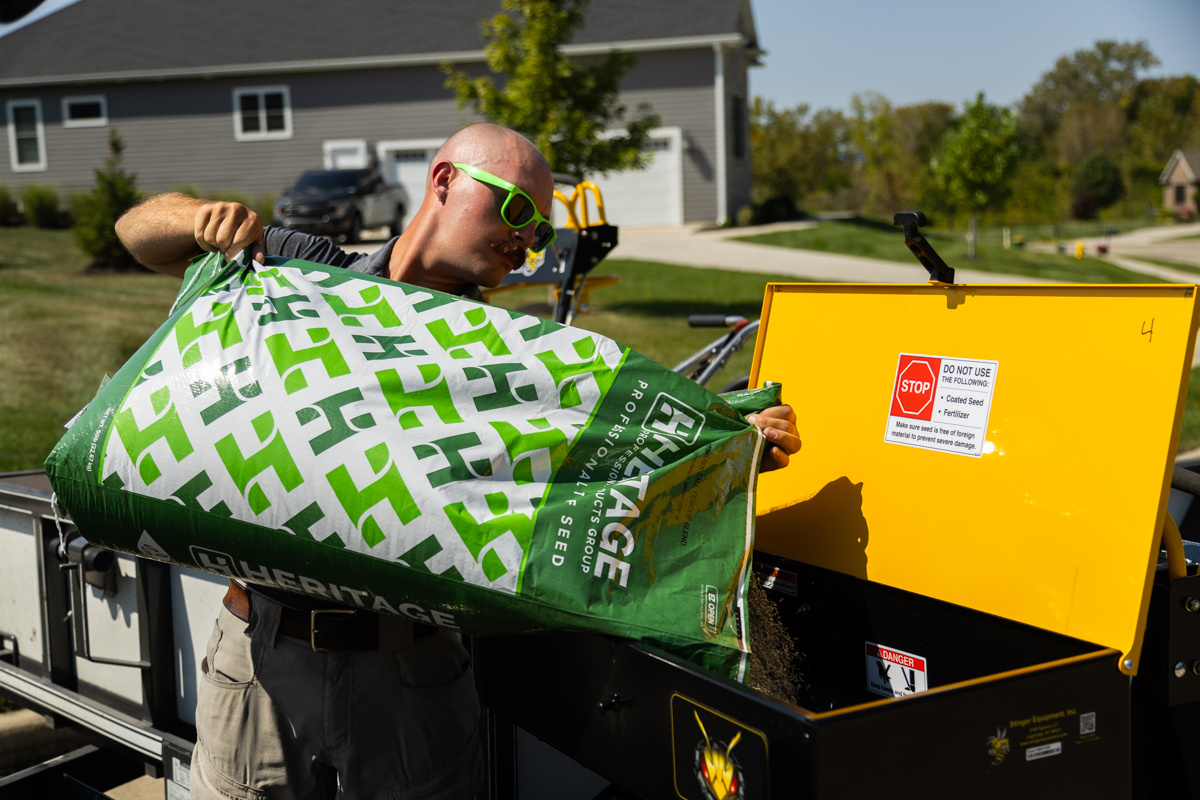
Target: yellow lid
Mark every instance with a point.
(1005, 448)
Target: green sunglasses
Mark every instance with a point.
(518, 208)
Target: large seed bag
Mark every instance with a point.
(402, 450)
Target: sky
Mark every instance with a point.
(822, 52)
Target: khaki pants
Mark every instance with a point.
(276, 720)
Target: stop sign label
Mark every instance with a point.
(916, 382)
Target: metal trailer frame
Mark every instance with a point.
(617, 712)
(626, 719)
(130, 737)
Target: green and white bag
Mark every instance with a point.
(397, 449)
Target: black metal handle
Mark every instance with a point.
(1185, 481)
(614, 703)
(920, 246)
(712, 321)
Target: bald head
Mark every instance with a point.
(458, 236)
(486, 144)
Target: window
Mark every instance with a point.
(26, 136)
(411, 156)
(82, 112)
(264, 113)
(1180, 194)
(739, 127)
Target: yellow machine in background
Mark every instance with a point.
(581, 245)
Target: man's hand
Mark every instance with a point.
(166, 232)
(778, 425)
(228, 229)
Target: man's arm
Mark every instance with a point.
(167, 231)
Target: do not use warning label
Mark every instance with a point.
(941, 403)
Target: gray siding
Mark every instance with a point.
(678, 84)
(737, 86)
(181, 133)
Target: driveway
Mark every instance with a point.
(715, 249)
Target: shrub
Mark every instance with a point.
(773, 209)
(41, 206)
(97, 212)
(1097, 185)
(8, 207)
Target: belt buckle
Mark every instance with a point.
(312, 626)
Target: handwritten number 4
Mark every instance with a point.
(1149, 332)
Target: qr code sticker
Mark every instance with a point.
(1087, 723)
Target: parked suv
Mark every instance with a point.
(341, 202)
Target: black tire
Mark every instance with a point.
(738, 385)
(354, 232)
(397, 221)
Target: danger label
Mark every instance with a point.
(941, 403)
(895, 673)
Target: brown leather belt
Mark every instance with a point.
(327, 630)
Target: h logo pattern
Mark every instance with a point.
(392, 419)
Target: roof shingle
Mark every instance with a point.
(146, 36)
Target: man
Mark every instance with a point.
(390, 711)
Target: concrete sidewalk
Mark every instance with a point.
(1178, 243)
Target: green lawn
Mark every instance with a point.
(1189, 433)
(874, 238)
(63, 329)
(1176, 265)
(648, 309)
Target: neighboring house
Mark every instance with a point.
(1179, 181)
(227, 96)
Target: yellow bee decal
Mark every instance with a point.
(533, 261)
(998, 745)
(719, 774)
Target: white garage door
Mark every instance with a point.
(406, 162)
(649, 197)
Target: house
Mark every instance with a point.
(234, 97)
(1179, 181)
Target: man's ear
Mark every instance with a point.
(439, 179)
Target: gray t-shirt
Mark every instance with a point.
(293, 244)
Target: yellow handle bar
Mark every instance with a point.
(578, 199)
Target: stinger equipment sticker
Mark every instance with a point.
(941, 403)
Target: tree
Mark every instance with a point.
(1087, 127)
(919, 130)
(1097, 185)
(562, 105)
(1105, 75)
(1164, 116)
(874, 136)
(796, 158)
(978, 155)
(97, 211)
